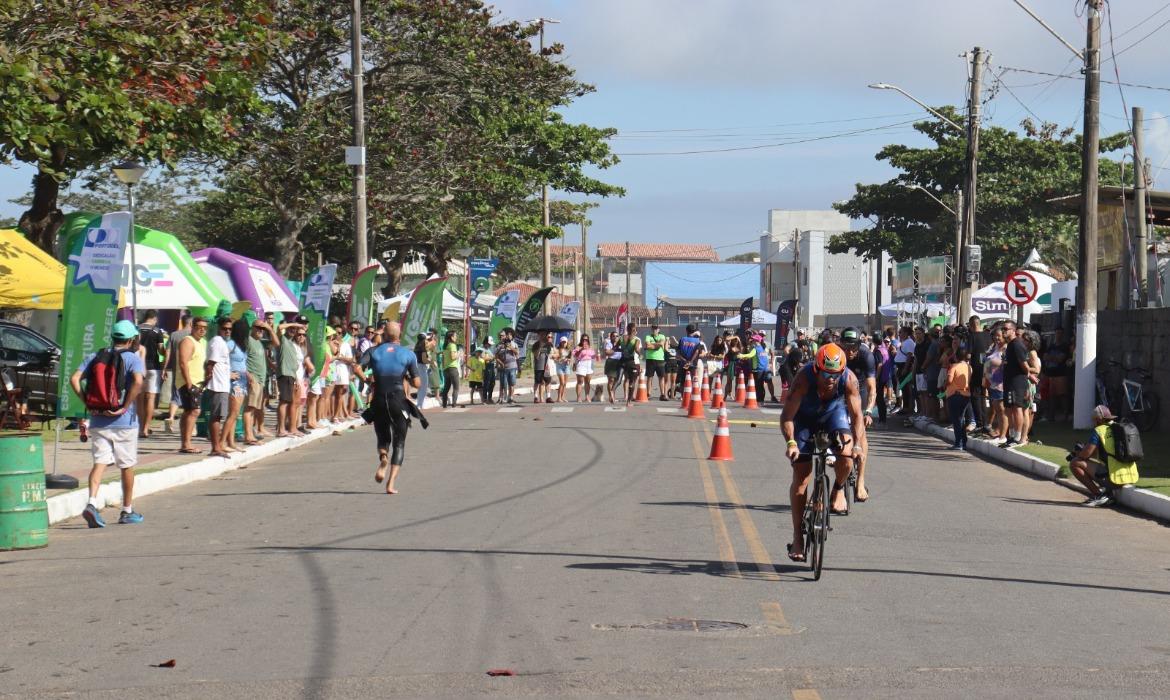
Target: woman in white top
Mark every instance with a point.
(583, 356)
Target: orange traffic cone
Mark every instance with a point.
(643, 396)
(717, 392)
(695, 410)
(750, 401)
(721, 443)
(740, 388)
(707, 388)
(686, 393)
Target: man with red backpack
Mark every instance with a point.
(113, 380)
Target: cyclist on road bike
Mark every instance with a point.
(860, 362)
(824, 397)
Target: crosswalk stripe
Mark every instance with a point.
(668, 410)
(562, 409)
(508, 409)
(615, 409)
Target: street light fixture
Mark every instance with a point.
(130, 172)
(928, 193)
(920, 103)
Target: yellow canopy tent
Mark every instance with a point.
(29, 277)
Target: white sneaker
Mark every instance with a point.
(324, 421)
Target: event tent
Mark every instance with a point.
(452, 305)
(932, 309)
(245, 279)
(29, 277)
(167, 276)
(990, 302)
(761, 320)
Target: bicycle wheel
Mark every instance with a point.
(821, 530)
(812, 514)
(1147, 418)
(851, 485)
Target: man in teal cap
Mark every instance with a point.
(113, 433)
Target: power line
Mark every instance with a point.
(1080, 77)
(767, 126)
(770, 145)
(1147, 19)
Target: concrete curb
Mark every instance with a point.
(1149, 503)
(69, 505)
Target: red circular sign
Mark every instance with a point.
(1020, 287)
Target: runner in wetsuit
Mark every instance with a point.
(861, 363)
(390, 366)
(824, 396)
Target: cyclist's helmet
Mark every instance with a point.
(850, 336)
(830, 359)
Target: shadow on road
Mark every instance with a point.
(1004, 579)
(770, 508)
(1042, 502)
(379, 493)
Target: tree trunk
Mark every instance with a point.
(287, 243)
(43, 219)
(393, 259)
(435, 260)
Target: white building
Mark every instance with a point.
(833, 289)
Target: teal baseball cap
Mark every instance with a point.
(124, 330)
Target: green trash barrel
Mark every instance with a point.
(24, 516)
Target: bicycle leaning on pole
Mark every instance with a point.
(1135, 400)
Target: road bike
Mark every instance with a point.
(816, 505)
(1135, 400)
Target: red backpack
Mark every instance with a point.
(105, 381)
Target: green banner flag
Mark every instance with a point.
(504, 312)
(424, 310)
(531, 310)
(92, 284)
(361, 296)
(315, 297)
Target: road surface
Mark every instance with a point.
(592, 552)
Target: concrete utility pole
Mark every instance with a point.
(796, 277)
(967, 289)
(1086, 333)
(545, 246)
(1139, 195)
(630, 312)
(957, 282)
(360, 252)
(585, 276)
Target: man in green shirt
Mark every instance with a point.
(257, 366)
(288, 368)
(656, 360)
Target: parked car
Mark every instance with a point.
(30, 360)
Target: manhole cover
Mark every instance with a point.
(682, 624)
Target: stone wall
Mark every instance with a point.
(1138, 338)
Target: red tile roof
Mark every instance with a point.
(659, 251)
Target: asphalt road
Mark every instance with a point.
(553, 545)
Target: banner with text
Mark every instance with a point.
(504, 313)
(361, 296)
(480, 270)
(785, 314)
(531, 310)
(904, 280)
(569, 312)
(92, 285)
(315, 298)
(745, 318)
(424, 310)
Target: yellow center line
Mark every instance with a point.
(774, 618)
(805, 694)
(722, 538)
(755, 543)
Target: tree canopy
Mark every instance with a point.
(85, 82)
(1018, 174)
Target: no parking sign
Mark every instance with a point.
(1021, 287)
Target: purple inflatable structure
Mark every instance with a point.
(245, 279)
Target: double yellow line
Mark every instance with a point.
(772, 612)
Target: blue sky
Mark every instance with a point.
(737, 73)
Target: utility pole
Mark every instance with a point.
(545, 246)
(1139, 195)
(956, 281)
(796, 278)
(628, 279)
(1086, 332)
(360, 252)
(967, 289)
(585, 277)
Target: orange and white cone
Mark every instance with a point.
(643, 396)
(740, 388)
(750, 401)
(707, 389)
(686, 393)
(721, 443)
(695, 410)
(717, 392)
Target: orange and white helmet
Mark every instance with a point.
(830, 359)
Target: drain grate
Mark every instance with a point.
(683, 624)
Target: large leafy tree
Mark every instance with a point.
(461, 125)
(1019, 172)
(82, 82)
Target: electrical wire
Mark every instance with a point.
(1081, 77)
(771, 145)
(1116, 69)
(767, 126)
(1147, 19)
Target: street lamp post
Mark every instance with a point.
(130, 172)
(956, 293)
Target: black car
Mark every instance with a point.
(30, 361)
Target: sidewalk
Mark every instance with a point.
(1141, 500)
(161, 466)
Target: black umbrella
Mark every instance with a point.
(545, 323)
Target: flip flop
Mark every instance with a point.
(190, 451)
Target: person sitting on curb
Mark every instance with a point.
(1098, 478)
